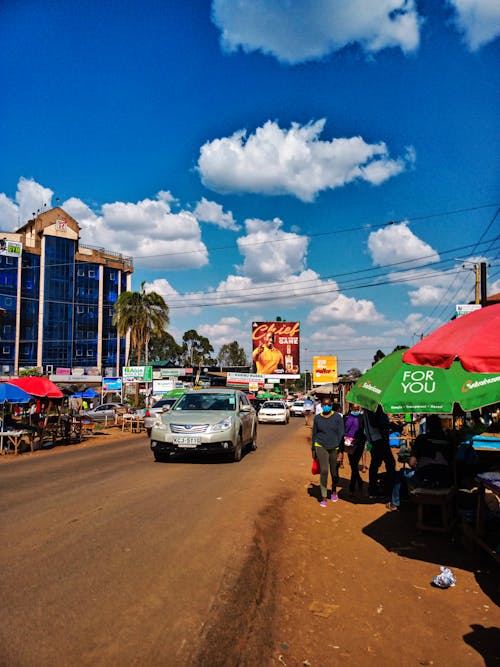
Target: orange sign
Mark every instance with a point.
(324, 370)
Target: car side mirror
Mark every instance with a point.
(245, 408)
(166, 408)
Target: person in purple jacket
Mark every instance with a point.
(354, 444)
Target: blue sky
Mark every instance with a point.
(325, 161)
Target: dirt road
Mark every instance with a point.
(108, 558)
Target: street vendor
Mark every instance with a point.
(430, 462)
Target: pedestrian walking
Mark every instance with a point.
(377, 427)
(354, 444)
(327, 446)
(309, 410)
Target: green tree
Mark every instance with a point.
(163, 347)
(196, 348)
(353, 373)
(231, 354)
(143, 314)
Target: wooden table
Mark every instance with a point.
(491, 481)
(132, 422)
(13, 438)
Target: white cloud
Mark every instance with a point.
(162, 287)
(275, 161)
(226, 330)
(270, 253)
(437, 287)
(478, 20)
(147, 230)
(346, 309)
(210, 211)
(295, 32)
(397, 243)
(31, 198)
(9, 213)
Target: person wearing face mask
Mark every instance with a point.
(354, 445)
(327, 446)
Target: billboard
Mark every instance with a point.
(137, 373)
(275, 348)
(324, 370)
(10, 248)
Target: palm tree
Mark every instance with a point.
(143, 314)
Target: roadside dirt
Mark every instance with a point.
(351, 585)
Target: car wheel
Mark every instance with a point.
(253, 443)
(238, 450)
(161, 457)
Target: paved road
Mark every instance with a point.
(110, 559)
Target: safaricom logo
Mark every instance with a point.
(418, 382)
(477, 384)
(370, 387)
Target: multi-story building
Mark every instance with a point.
(58, 296)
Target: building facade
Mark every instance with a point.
(58, 298)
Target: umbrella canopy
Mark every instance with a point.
(474, 339)
(37, 386)
(11, 394)
(174, 393)
(400, 387)
(325, 389)
(88, 393)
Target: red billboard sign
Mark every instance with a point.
(275, 348)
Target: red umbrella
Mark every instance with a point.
(474, 339)
(37, 386)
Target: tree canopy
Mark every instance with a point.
(143, 314)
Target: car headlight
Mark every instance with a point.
(223, 425)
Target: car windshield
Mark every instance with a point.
(200, 401)
(299, 403)
(164, 401)
(273, 404)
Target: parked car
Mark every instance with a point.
(297, 409)
(105, 412)
(154, 412)
(206, 420)
(274, 411)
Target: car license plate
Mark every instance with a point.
(187, 441)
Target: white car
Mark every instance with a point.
(274, 412)
(297, 409)
(155, 411)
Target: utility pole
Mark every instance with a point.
(483, 281)
(477, 271)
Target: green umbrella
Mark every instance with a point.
(174, 393)
(400, 387)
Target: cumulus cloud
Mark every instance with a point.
(477, 20)
(276, 161)
(270, 253)
(435, 287)
(295, 32)
(31, 198)
(210, 211)
(397, 243)
(345, 309)
(226, 330)
(148, 230)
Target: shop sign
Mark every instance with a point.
(137, 373)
